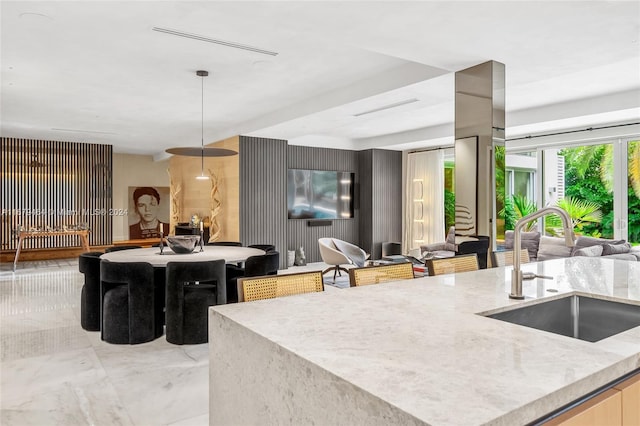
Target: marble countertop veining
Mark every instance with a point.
(421, 345)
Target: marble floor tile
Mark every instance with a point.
(37, 375)
(52, 372)
(41, 342)
(193, 421)
(37, 321)
(149, 356)
(165, 395)
(94, 403)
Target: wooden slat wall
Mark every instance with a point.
(263, 193)
(299, 233)
(52, 184)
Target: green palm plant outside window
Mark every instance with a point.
(581, 212)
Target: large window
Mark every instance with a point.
(633, 191)
(598, 184)
(520, 186)
(449, 190)
(588, 189)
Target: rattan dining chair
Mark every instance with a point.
(272, 286)
(505, 258)
(380, 274)
(451, 265)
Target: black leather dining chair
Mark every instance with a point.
(89, 265)
(479, 247)
(118, 248)
(254, 266)
(191, 288)
(225, 243)
(128, 308)
(265, 247)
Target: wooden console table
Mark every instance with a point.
(83, 234)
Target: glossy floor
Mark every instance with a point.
(52, 372)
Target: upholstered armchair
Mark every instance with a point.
(337, 253)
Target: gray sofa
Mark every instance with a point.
(542, 247)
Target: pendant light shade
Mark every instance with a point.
(201, 151)
(196, 151)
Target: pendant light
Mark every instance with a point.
(201, 151)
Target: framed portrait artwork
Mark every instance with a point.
(148, 212)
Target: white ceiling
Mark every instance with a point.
(94, 71)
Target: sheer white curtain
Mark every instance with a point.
(424, 201)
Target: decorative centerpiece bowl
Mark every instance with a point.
(183, 244)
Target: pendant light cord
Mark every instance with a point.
(202, 125)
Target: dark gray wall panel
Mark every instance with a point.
(263, 193)
(387, 199)
(263, 198)
(365, 164)
(380, 198)
(299, 233)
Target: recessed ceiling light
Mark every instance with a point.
(389, 106)
(215, 41)
(34, 15)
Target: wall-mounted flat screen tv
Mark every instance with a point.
(319, 194)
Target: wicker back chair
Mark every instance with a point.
(272, 286)
(380, 274)
(505, 258)
(451, 265)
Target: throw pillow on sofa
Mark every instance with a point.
(592, 251)
(582, 242)
(609, 249)
(553, 248)
(528, 240)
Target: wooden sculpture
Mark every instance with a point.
(216, 207)
(174, 190)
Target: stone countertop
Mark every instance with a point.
(421, 346)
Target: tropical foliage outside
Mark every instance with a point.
(588, 193)
(589, 177)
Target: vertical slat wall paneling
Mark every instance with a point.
(365, 163)
(299, 233)
(381, 199)
(49, 185)
(387, 199)
(263, 193)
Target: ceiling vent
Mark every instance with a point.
(215, 41)
(382, 108)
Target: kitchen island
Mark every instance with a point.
(415, 352)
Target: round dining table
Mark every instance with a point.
(158, 260)
(230, 254)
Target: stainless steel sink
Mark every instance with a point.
(582, 317)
